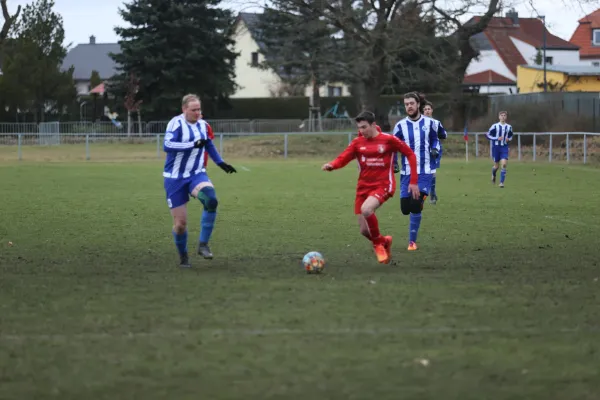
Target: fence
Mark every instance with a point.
(578, 147)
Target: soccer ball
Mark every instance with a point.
(313, 262)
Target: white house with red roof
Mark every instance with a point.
(508, 42)
(587, 37)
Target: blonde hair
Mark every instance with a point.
(188, 98)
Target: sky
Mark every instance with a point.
(83, 18)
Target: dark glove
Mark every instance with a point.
(198, 144)
(227, 168)
(434, 153)
(396, 168)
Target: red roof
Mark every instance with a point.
(582, 36)
(488, 77)
(528, 30)
(98, 89)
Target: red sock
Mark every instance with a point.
(373, 225)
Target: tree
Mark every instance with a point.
(95, 79)
(32, 61)
(370, 32)
(175, 47)
(297, 45)
(9, 20)
(463, 32)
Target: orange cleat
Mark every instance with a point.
(381, 253)
(412, 246)
(388, 246)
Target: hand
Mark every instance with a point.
(501, 138)
(413, 189)
(327, 167)
(396, 168)
(227, 168)
(434, 153)
(198, 144)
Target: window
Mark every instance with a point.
(334, 91)
(549, 60)
(596, 37)
(254, 59)
(596, 64)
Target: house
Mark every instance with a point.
(508, 42)
(87, 57)
(559, 78)
(253, 81)
(587, 37)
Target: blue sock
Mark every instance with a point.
(181, 242)
(502, 175)
(415, 223)
(432, 186)
(207, 223)
(494, 170)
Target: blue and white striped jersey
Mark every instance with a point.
(421, 136)
(183, 160)
(498, 131)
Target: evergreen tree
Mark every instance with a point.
(33, 80)
(173, 48)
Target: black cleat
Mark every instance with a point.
(204, 250)
(184, 261)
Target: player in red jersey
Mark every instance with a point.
(376, 183)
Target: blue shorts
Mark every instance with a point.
(424, 184)
(500, 153)
(178, 190)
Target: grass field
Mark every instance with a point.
(502, 301)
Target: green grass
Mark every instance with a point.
(502, 298)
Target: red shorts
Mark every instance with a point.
(382, 194)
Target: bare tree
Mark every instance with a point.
(463, 32)
(9, 20)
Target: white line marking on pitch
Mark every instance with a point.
(285, 331)
(568, 221)
(244, 168)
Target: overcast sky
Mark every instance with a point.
(83, 18)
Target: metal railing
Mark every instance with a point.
(551, 146)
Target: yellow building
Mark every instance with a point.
(559, 78)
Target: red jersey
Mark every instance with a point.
(375, 160)
(211, 136)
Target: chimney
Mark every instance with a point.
(513, 15)
(92, 39)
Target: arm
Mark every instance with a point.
(213, 152)
(344, 158)
(434, 132)
(441, 131)
(399, 135)
(510, 134)
(399, 146)
(492, 133)
(172, 142)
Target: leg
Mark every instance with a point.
(503, 162)
(381, 244)
(205, 192)
(367, 211)
(177, 198)
(414, 208)
(433, 197)
(364, 228)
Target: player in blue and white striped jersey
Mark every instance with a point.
(499, 135)
(421, 135)
(188, 141)
(442, 134)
